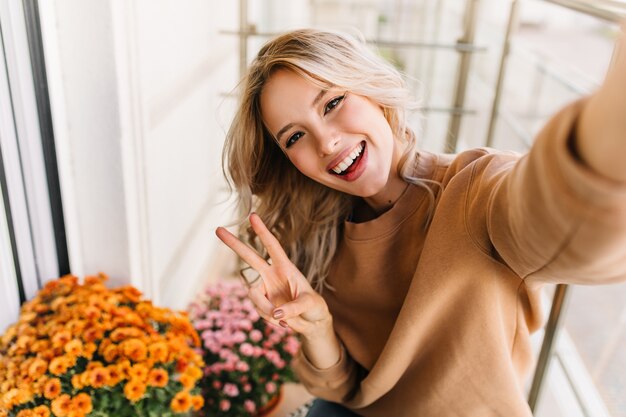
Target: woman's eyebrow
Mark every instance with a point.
(319, 96)
(283, 130)
(288, 126)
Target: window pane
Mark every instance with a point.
(596, 322)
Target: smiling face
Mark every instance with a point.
(337, 138)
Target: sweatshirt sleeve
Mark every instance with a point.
(336, 383)
(551, 218)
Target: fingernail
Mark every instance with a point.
(283, 323)
(279, 314)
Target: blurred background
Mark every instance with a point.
(113, 115)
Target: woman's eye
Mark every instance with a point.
(333, 103)
(293, 139)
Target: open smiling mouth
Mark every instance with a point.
(350, 162)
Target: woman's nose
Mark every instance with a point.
(327, 143)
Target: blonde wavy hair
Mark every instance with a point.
(304, 215)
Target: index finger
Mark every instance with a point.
(273, 246)
(246, 253)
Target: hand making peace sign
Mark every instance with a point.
(281, 284)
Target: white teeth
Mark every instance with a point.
(348, 160)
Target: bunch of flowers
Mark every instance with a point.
(247, 359)
(81, 350)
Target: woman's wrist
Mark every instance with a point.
(319, 329)
(321, 345)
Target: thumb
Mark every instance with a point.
(309, 305)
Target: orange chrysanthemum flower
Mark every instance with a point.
(75, 326)
(58, 366)
(122, 333)
(47, 354)
(134, 390)
(92, 313)
(112, 333)
(24, 395)
(110, 353)
(92, 334)
(24, 341)
(37, 368)
(89, 349)
(82, 403)
(94, 280)
(40, 346)
(41, 411)
(158, 378)
(187, 381)
(61, 338)
(70, 360)
(84, 379)
(134, 349)
(158, 351)
(123, 366)
(118, 334)
(194, 372)
(94, 365)
(197, 401)
(74, 347)
(61, 405)
(132, 293)
(138, 372)
(181, 402)
(98, 377)
(115, 375)
(52, 389)
(77, 382)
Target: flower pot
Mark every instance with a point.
(266, 409)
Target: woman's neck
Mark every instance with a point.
(386, 198)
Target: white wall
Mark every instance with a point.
(139, 115)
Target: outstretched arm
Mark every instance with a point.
(559, 213)
(601, 131)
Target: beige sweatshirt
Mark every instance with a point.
(437, 322)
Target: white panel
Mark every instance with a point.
(24, 159)
(174, 37)
(60, 125)
(178, 176)
(87, 127)
(185, 67)
(133, 135)
(9, 296)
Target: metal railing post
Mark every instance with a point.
(243, 37)
(547, 346)
(469, 29)
(495, 106)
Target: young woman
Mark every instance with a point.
(413, 278)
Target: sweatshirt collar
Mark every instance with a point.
(424, 167)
